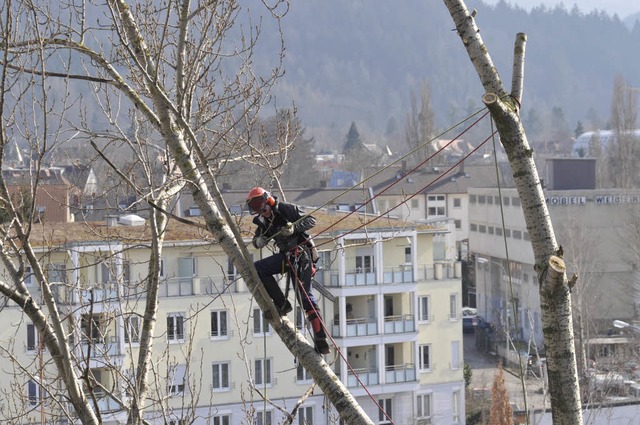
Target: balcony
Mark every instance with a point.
(366, 376)
(399, 274)
(357, 327)
(399, 324)
(108, 348)
(99, 295)
(400, 373)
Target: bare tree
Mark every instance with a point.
(420, 124)
(555, 288)
(622, 153)
(175, 77)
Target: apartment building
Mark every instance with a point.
(433, 194)
(396, 322)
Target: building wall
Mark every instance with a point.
(589, 225)
(116, 285)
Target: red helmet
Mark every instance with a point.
(257, 199)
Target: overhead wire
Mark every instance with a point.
(301, 287)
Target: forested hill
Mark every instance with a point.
(358, 60)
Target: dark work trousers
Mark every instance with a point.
(278, 264)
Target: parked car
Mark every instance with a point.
(469, 319)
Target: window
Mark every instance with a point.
(385, 412)
(424, 354)
(175, 327)
(457, 202)
(92, 328)
(260, 326)
(187, 267)
(32, 337)
(482, 228)
(482, 199)
(472, 199)
(458, 223)
(436, 205)
(498, 231)
(28, 276)
(456, 406)
(506, 201)
(221, 376)
(219, 324)
(515, 202)
(453, 307)
(302, 375)
(231, 269)
(455, 355)
(473, 227)
(176, 381)
(305, 416)
(423, 308)
(507, 233)
(517, 234)
(264, 418)
(132, 329)
(35, 392)
(490, 200)
(57, 273)
(423, 406)
(407, 254)
(107, 271)
(263, 372)
(222, 420)
(490, 230)
(364, 264)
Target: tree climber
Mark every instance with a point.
(285, 224)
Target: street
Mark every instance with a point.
(485, 368)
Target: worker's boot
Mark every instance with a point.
(319, 336)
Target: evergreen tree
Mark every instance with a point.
(353, 144)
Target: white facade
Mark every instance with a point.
(396, 322)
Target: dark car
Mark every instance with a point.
(469, 319)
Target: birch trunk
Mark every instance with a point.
(555, 295)
(183, 147)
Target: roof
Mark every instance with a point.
(400, 180)
(58, 234)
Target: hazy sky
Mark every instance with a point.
(623, 8)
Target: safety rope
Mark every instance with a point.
(300, 287)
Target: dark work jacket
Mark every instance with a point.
(281, 214)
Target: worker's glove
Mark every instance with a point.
(287, 230)
(260, 242)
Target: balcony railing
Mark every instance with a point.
(366, 376)
(357, 327)
(400, 373)
(399, 324)
(110, 347)
(400, 274)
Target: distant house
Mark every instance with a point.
(52, 195)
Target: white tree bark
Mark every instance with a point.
(555, 294)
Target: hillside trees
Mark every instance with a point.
(555, 288)
(622, 154)
(174, 86)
